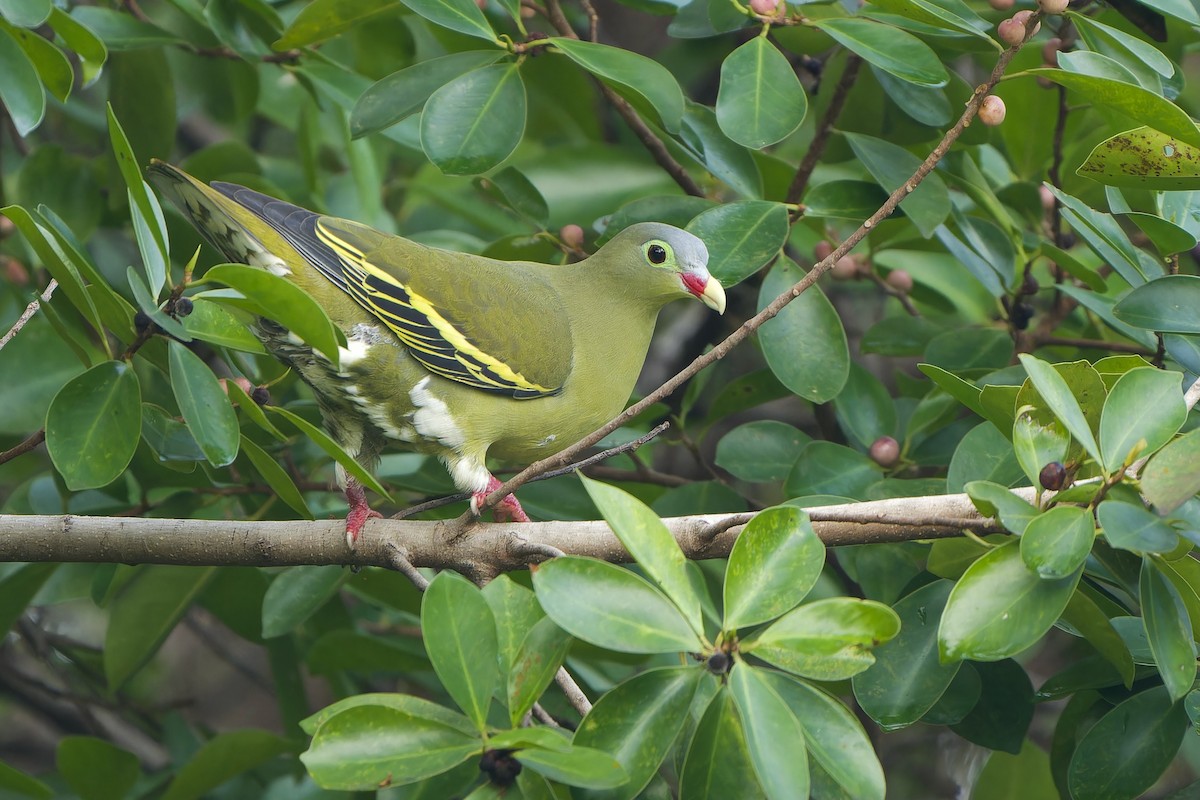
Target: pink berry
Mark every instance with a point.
(1053, 6)
(1047, 197)
(991, 110)
(1050, 51)
(1010, 32)
(900, 280)
(1001, 5)
(844, 269)
(572, 236)
(821, 251)
(885, 451)
(764, 8)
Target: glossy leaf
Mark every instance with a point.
(1144, 410)
(650, 543)
(1103, 234)
(1168, 630)
(407, 704)
(741, 238)
(827, 639)
(890, 49)
(1171, 477)
(463, 16)
(718, 760)
(828, 468)
(1059, 399)
(805, 344)
(537, 660)
(1131, 527)
(460, 638)
(611, 607)
(637, 722)
(13, 780)
(577, 766)
(760, 100)
(475, 121)
(1000, 607)
(21, 90)
(726, 160)
(93, 425)
(392, 99)
(146, 610)
(1144, 158)
(1057, 542)
(907, 678)
(773, 734)
(928, 204)
(296, 594)
(331, 448)
(364, 746)
(1162, 305)
(629, 73)
(204, 405)
(96, 769)
(995, 500)
(1038, 439)
(760, 451)
(324, 19)
(773, 565)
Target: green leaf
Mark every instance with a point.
(405, 703)
(14, 780)
(741, 238)
(25, 13)
(1168, 238)
(651, 545)
(998, 714)
(718, 759)
(629, 73)
(997, 501)
(96, 769)
(762, 451)
(21, 90)
(516, 611)
(120, 31)
(948, 14)
(296, 594)
(279, 299)
(322, 20)
(818, 370)
(726, 160)
(773, 734)
(1168, 629)
(93, 425)
(363, 747)
(460, 638)
(1163, 305)
(828, 468)
(18, 587)
(1085, 616)
(53, 67)
(928, 204)
(86, 44)
(774, 563)
(139, 192)
(276, 477)
(344, 650)
(463, 16)
(204, 405)
(536, 662)
(1133, 528)
(760, 100)
(224, 757)
(1133, 101)
(146, 610)
(1056, 543)
(475, 121)
(1124, 753)
(1104, 235)
(907, 678)
(844, 199)
(864, 408)
(392, 99)
(1000, 607)
(1144, 410)
(983, 454)
(331, 448)
(211, 323)
(512, 188)
(1059, 399)
(1038, 439)
(890, 49)
(826, 640)
(1144, 158)
(1171, 477)
(577, 766)
(611, 607)
(637, 723)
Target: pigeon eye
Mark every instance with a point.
(656, 253)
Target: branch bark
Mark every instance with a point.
(485, 550)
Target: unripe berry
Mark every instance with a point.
(764, 8)
(719, 663)
(1053, 6)
(7, 227)
(821, 251)
(885, 451)
(844, 269)
(1047, 197)
(15, 272)
(991, 111)
(183, 307)
(244, 384)
(141, 321)
(1001, 5)
(572, 236)
(1029, 284)
(1053, 476)
(1012, 30)
(900, 280)
(261, 396)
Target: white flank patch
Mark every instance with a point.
(264, 260)
(356, 352)
(432, 419)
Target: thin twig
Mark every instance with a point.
(775, 306)
(543, 716)
(575, 695)
(28, 313)
(817, 148)
(399, 562)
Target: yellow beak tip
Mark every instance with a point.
(713, 295)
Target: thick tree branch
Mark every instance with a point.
(407, 544)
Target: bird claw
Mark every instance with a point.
(507, 510)
(359, 513)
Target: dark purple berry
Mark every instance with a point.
(719, 663)
(1053, 476)
(183, 307)
(261, 396)
(500, 767)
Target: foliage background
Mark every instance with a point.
(191, 681)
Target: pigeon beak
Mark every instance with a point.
(713, 295)
(706, 289)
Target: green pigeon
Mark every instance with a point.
(456, 355)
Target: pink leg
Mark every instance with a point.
(507, 510)
(360, 511)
